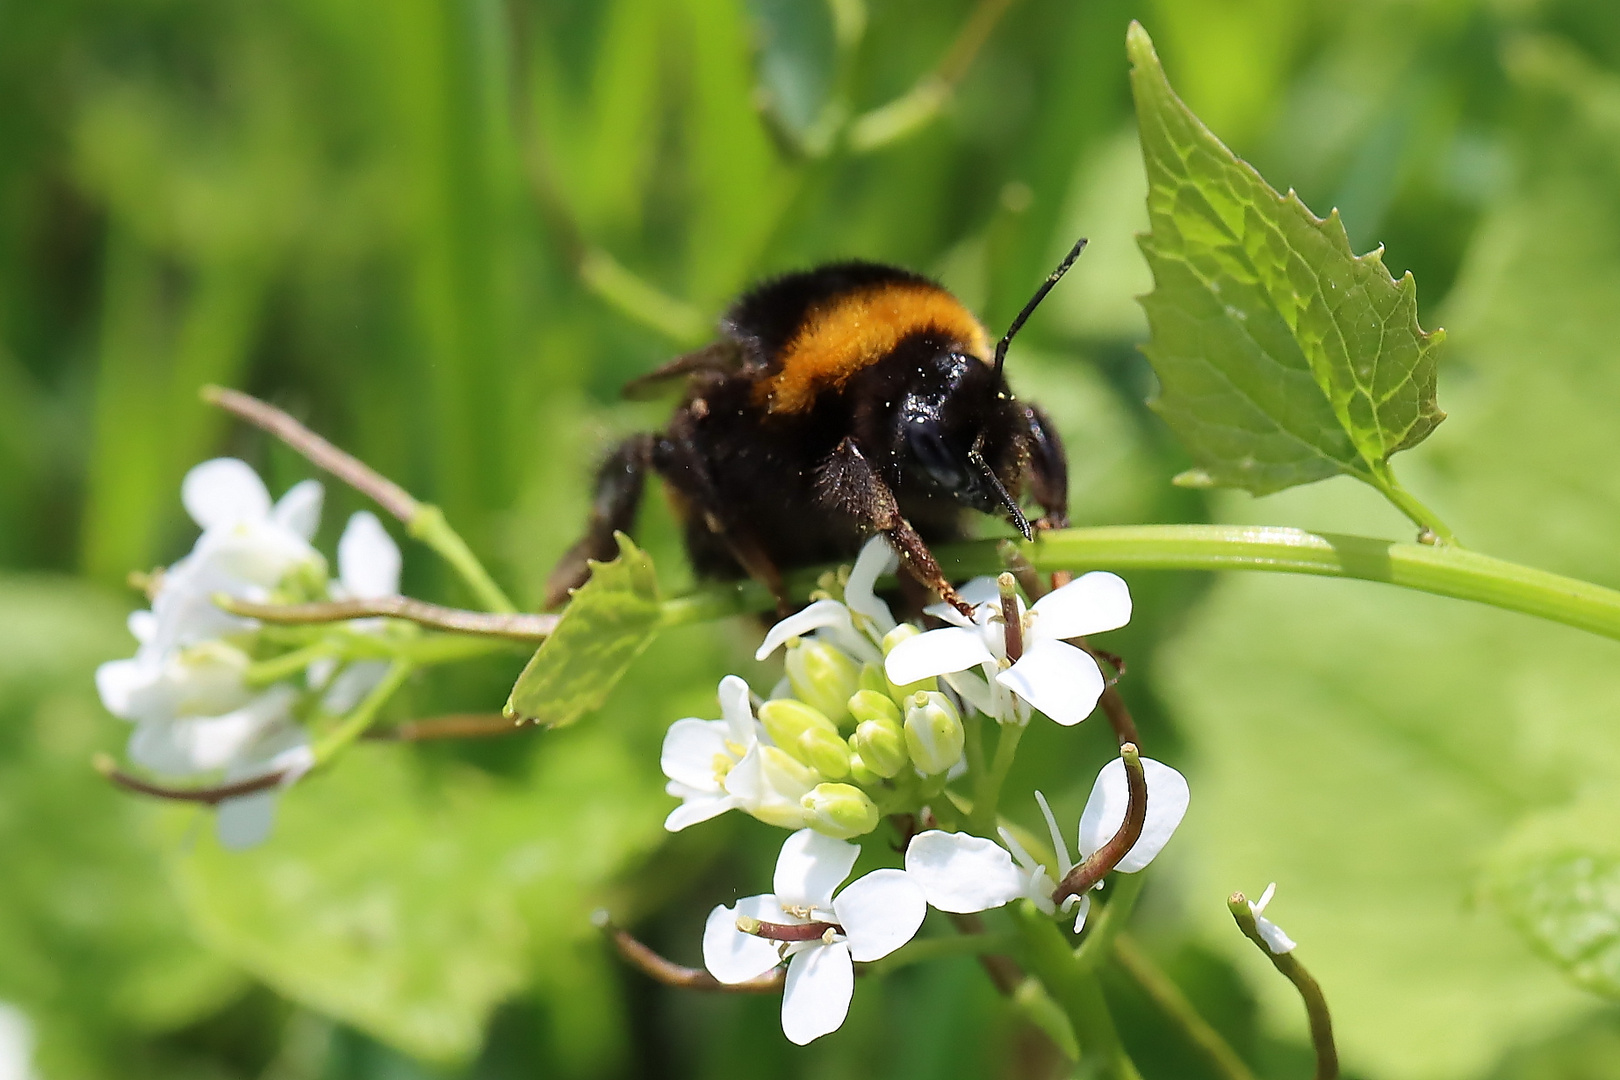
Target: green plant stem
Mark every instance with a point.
(265, 672)
(430, 526)
(1310, 991)
(1408, 504)
(937, 948)
(987, 788)
(1100, 942)
(452, 648)
(1048, 955)
(1174, 1006)
(1443, 570)
(356, 723)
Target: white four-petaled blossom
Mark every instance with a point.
(1272, 934)
(700, 755)
(186, 687)
(1059, 679)
(962, 873)
(867, 920)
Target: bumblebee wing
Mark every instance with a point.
(724, 355)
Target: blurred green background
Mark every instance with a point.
(443, 232)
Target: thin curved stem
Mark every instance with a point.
(456, 726)
(212, 795)
(1174, 1006)
(1310, 991)
(1097, 866)
(515, 626)
(668, 972)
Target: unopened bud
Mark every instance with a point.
(786, 781)
(872, 678)
(823, 676)
(841, 811)
(861, 774)
(881, 743)
(934, 734)
(825, 752)
(873, 705)
(785, 719)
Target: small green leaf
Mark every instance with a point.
(607, 624)
(1558, 879)
(1282, 357)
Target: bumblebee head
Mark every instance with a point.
(954, 432)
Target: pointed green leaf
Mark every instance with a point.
(1282, 356)
(607, 624)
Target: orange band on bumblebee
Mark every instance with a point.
(859, 329)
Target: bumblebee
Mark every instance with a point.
(838, 402)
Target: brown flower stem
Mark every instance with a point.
(1174, 1006)
(458, 726)
(669, 973)
(1119, 717)
(1011, 624)
(1079, 880)
(516, 626)
(424, 521)
(1316, 1009)
(1005, 974)
(212, 796)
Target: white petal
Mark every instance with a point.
(820, 982)
(981, 590)
(1257, 906)
(698, 808)
(1089, 604)
(119, 681)
(880, 912)
(1081, 911)
(1060, 680)
(1060, 846)
(247, 821)
(223, 492)
(876, 559)
(1105, 811)
(690, 747)
(353, 684)
(822, 613)
(299, 509)
(937, 652)
(143, 625)
(368, 558)
(959, 872)
(811, 866)
(737, 711)
(972, 690)
(1272, 934)
(733, 956)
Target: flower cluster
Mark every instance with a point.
(202, 690)
(870, 722)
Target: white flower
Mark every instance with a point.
(858, 624)
(959, 872)
(16, 1044)
(1057, 678)
(700, 755)
(867, 921)
(1272, 934)
(368, 568)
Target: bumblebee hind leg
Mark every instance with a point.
(619, 483)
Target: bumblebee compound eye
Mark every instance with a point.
(923, 434)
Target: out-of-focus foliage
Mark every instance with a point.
(445, 231)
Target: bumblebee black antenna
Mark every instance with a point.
(1035, 301)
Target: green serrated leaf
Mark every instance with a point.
(1282, 356)
(606, 625)
(1558, 879)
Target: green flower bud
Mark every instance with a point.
(862, 775)
(823, 676)
(934, 734)
(873, 705)
(825, 752)
(881, 743)
(787, 782)
(872, 678)
(840, 811)
(785, 719)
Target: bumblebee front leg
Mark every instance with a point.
(619, 483)
(848, 482)
(1048, 470)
